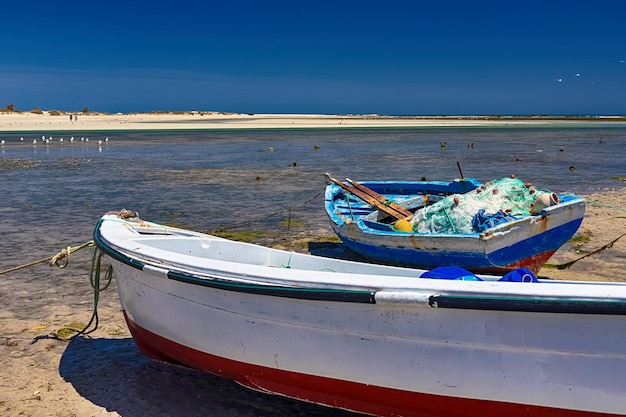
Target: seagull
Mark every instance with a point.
(22, 139)
(34, 141)
(2, 142)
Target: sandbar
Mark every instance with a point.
(68, 121)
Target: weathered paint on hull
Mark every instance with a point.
(347, 395)
(430, 252)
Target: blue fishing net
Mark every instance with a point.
(483, 221)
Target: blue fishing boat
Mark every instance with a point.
(494, 227)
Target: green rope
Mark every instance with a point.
(596, 203)
(288, 266)
(450, 221)
(94, 280)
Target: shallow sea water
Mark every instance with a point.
(209, 179)
(52, 194)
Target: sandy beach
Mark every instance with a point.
(105, 375)
(61, 121)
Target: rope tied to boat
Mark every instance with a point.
(56, 260)
(597, 203)
(97, 285)
(594, 252)
(288, 209)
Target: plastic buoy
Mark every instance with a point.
(403, 225)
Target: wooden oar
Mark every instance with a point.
(383, 200)
(374, 199)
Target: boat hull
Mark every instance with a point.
(528, 242)
(370, 338)
(332, 392)
(473, 252)
(386, 358)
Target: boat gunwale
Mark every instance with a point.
(310, 293)
(495, 295)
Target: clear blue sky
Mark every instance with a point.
(331, 57)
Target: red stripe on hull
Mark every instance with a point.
(332, 392)
(534, 263)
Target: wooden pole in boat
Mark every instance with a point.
(458, 165)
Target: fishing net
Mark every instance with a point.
(491, 204)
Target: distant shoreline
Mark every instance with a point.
(41, 121)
